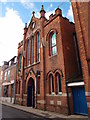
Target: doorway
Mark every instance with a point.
(79, 100)
(31, 93)
(11, 92)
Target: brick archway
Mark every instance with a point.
(30, 74)
(31, 93)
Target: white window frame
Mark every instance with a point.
(5, 75)
(52, 45)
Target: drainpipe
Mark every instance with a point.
(69, 111)
(15, 81)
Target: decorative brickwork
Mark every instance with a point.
(56, 56)
(81, 12)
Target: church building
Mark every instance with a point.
(49, 66)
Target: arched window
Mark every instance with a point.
(32, 50)
(27, 52)
(38, 85)
(53, 44)
(58, 83)
(20, 62)
(51, 84)
(38, 46)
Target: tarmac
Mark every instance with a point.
(46, 113)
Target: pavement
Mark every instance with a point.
(48, 114)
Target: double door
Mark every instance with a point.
(79, 100)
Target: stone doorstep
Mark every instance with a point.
(46, 113)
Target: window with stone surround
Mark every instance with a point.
(28, 52)
(58, 83)
(32, 49)
(51, 84)
(53, 49)
(20, 62)
(38, 47)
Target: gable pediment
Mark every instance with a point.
(31, 72)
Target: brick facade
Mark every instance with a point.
(81, 12)
(8, 80)
(57, 62)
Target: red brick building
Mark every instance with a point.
(8, 80)
(48, 64)
(81, 11)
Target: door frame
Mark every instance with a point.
(70, 85)
(31, 93)
(78, 90)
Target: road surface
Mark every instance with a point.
(9, 113)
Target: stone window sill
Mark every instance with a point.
(53, 56)
(30, 65)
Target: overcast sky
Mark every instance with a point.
(14, 15)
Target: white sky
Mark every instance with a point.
(11, 32)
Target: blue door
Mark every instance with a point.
(79, 100)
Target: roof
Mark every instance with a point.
(75, 78)
(12, 58)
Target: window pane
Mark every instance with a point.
(9, 75)
(52, 83)
(53, 44)
(28, 53)
(59, 82)
(38, 47)
(20, 61)
(52, 86)
(38, 56)
(53, 39)
(54, 50)
(5, 75)
(5, 91)
(32, 49)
